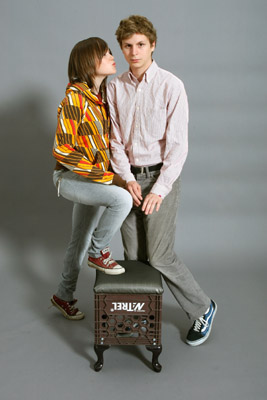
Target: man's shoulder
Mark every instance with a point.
(169, 77)
(119, 79)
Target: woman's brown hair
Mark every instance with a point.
(83, 61)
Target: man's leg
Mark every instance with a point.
(134, 236)
(160, 232)
(152, 238)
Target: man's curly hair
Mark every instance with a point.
(136, 24)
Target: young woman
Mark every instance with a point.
(82, 174)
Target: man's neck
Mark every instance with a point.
(140, 72)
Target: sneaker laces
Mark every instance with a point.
(199, 323)
(71, 305)
(107, 261)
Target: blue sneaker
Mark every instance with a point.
(201, 328)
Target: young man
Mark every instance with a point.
(149, 144)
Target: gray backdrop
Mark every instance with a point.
(218, 48)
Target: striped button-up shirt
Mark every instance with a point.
(149, 122)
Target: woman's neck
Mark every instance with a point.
(97, 83)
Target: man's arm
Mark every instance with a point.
(176, 148)
(120, 162)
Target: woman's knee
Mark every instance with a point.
(124, 200)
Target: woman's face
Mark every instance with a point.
(107, 65)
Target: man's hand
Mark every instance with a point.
(135, 190)
(151, 201)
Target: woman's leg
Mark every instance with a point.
(84, 221)
(116, 201)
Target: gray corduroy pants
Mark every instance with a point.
(151, 238)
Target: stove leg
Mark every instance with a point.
(156, 350)
(99, 349)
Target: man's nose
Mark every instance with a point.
(134, 50)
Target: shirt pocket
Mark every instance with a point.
(155, 122)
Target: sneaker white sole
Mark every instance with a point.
(71, 318)
(202, 340)
(108, 271)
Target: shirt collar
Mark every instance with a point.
(148, 75)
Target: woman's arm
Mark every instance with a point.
(70, 113)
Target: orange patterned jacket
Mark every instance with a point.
(82, 136)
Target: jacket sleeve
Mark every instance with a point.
(70, 113)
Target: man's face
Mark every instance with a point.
(137, 51)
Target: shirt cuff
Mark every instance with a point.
(129, 177)
(160, 190)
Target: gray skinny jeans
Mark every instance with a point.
(91, 230)
(151, 238)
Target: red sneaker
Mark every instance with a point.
(67, 308)
(105, 263)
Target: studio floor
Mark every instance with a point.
(45, 356)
